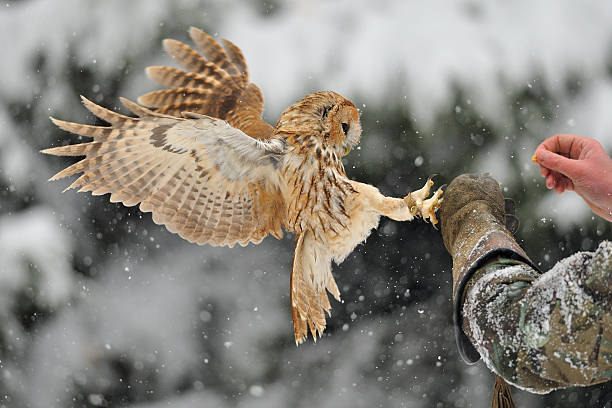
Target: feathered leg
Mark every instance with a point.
(415, 204)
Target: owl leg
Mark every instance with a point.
(420, 206)
(413, 205)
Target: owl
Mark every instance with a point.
(201, 159)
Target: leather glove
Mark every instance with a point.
(473, 219)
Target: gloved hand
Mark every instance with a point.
(473, 208)
(476, 223)
(473, 219)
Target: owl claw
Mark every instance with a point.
(430, 206)
(421, 206)
(421, 195)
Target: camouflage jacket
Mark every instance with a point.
(548, 331)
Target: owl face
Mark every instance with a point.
(343, 126)
(326, 116)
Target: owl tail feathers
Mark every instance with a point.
(311, 279)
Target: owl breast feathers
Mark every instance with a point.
(202, 160)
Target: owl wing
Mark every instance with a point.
(200, 177)
(311, 279)
(217, 85)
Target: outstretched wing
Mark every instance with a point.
(217, 85)
(202, 178)
(311, 279)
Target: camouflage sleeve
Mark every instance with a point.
(544, 332)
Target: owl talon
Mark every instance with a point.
(421, 206)
(431, 205)
(421, 194)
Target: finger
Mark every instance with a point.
(564, 144)
(564, 184)
(544, 171)
(557, 185)
(560, 164)
(560, 183)
(550, 181)
(568, 184)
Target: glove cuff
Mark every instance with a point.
(495, 244)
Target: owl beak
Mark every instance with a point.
(348, 150)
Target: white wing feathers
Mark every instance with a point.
(231, 148)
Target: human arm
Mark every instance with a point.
(533, 330)
(544, 332)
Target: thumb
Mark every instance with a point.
(558, 163)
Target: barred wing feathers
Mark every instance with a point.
(215, 83)
(202, 178)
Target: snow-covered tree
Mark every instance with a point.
(101, 307)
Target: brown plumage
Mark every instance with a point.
(208, 167)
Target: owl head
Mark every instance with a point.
(326, 116)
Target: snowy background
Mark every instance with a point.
(100, 307)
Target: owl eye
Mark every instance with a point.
(345, 127)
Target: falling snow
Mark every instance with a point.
(101, 307)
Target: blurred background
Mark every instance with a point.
(101, 307)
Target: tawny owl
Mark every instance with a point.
(208, 167)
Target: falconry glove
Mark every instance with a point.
(476, 223)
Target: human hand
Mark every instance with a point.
(580, 164)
